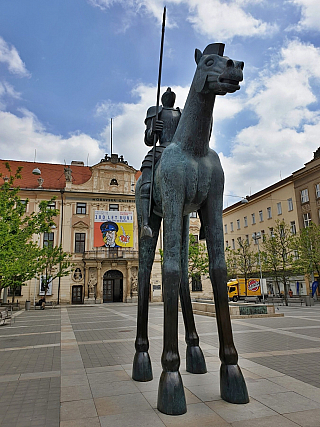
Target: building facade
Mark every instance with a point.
(93, 203)
(295, 200)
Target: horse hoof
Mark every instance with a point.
(195, 362)
(233, 388)
(146, 231)
(171, 398)
(142, 370)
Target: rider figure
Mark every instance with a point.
(164, 128)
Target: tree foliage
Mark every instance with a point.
(54, 262)
(308, 247)
(19, 255)
(241, 261)
(278, 255)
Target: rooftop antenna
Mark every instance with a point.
(35, 155)
(111, 135)
(88, 159)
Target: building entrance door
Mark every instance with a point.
(76, 294)
(113, 286)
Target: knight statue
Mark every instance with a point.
(164, 128)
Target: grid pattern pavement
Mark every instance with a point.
(72, 367)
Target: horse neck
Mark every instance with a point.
(194, 129)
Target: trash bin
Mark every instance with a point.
(309, 301)
(27, 306)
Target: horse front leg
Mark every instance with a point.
(142, 369)
(171, 397)
(233, 388)
(195, 362)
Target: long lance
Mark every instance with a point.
(155, 137)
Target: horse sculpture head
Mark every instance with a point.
(217, 73)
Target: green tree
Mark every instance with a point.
(18, 253)
(241, 261)
(308, 248)
(278, 254)
(54, 262)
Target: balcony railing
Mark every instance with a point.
(110, 253)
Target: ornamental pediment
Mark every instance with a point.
(80, 225)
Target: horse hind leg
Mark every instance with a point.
(233, 388)
(142, 369)
(195, 361)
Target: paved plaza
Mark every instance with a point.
(71, 367)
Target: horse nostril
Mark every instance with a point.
(230, 63)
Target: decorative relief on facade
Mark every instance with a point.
(134, 280)
(306, 207)
(77, 274)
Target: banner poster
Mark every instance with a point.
(113, 229)
(42, 288)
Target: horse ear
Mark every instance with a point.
(197, 55)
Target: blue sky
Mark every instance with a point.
(67, 67)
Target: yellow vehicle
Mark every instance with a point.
(237, 289)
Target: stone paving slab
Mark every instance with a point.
(62, 370)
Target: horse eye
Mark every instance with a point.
(209, 62)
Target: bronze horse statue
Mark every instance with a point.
(189, 178)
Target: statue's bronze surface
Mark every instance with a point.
(189, 177)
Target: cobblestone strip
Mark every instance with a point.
(77, 404)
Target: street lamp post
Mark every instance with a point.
(256, 237)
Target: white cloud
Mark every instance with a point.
(10, 56)
(213, 18)
(20, 136)
(310, 14)
(7, 91)
(287, 130)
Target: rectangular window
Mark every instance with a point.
(81, 208)
(238, 224)
(247, 238)
(80, 240)
(253, 216)
(260, 216)
(51, 206)
(304, 196)
(113, 207)
(317, 191)
(290, 205)
(306, 219)
(227, 244)
(231, 226)
(245, 220)
(269, 214)
(193, 214)
(233, 244)
(293, 227)
(196, 283)
(279, 208)
(225, 228)
(48, 240)
(271, 231)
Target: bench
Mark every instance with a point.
(296, 299)
(5, 314)
(9, 305)
(277, 300)
(51, 304)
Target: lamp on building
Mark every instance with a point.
(256, 237)
(114, 182)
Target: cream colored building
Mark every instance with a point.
(295, 199)
(100, 274)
